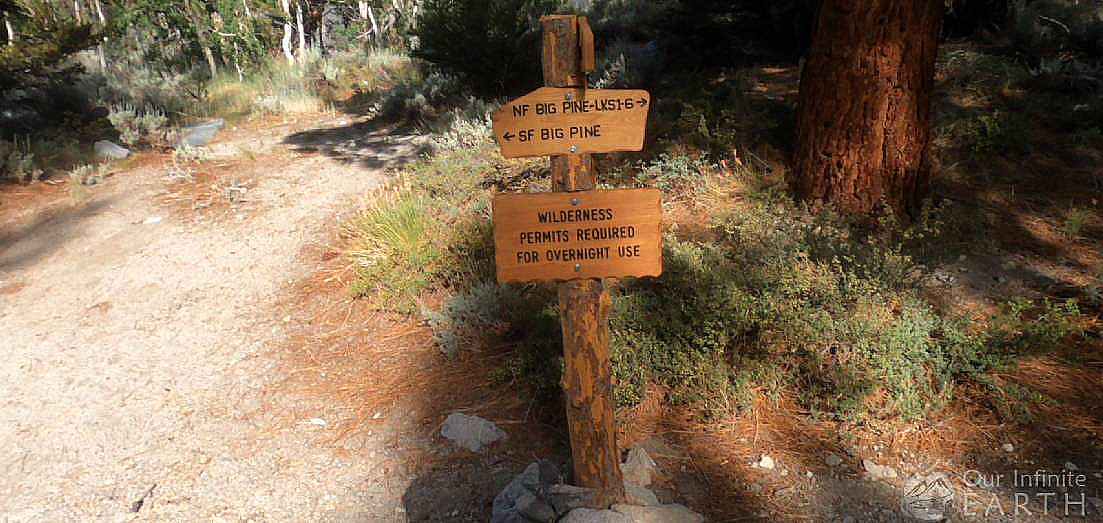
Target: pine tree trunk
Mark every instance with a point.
(863, 119)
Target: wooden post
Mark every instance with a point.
(583, 304)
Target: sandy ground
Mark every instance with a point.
(137, 373)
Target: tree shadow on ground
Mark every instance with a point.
(47, 233)
(369, 144)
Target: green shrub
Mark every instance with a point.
(135, 125)
(672, 173)
(771, 296)
(992, 133)
(473, 315)
(17, 162)
(1074, 222)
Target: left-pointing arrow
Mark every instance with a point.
(508, 136)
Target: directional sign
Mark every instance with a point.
(587, 234)
(556, 121)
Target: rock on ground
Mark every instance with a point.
(537, 495)
(638, 467)
(470, 432)
(200, 134)
(639, 495)
(109, 150)
(875, 471)
(673, 513)
(588, 515)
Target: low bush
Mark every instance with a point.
(17, 162)
(136, 126)
(760, 296)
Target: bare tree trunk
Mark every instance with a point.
(863, 120)
(286, 42)
(202, 35)
(374, 26)
(237, 64)
(76, 11)
(248, 13)
(363, 10)
(103, 23)
(302, 32)
(8, 28)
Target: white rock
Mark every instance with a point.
(1070, 466)
(765, 462)
(638, 467)
(876, 471)
(110, 150)
(151, 220)
(589, 515)
(640, 495)
(470, 432)
(673, 513)
(1007, 447)
(832, 460)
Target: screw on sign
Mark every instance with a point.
(578, 235)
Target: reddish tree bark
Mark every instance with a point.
(863, 118)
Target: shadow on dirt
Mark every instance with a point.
(48, 233)
(369, 144)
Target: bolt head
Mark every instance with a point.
(577, 267)
(574, 148)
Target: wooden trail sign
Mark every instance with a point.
(572, 235)
(563, 120)
(577, 235)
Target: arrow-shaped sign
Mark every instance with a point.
(556, 120)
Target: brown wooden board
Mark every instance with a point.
(575, 235)
(567, 120)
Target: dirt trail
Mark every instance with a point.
(137, 353)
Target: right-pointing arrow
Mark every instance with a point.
(643, 102)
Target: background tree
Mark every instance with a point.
(493, 43)
(44, 40)
(863, 118)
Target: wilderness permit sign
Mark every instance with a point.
(588, 234)
(557, 121)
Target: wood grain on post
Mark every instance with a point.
(583, 305)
